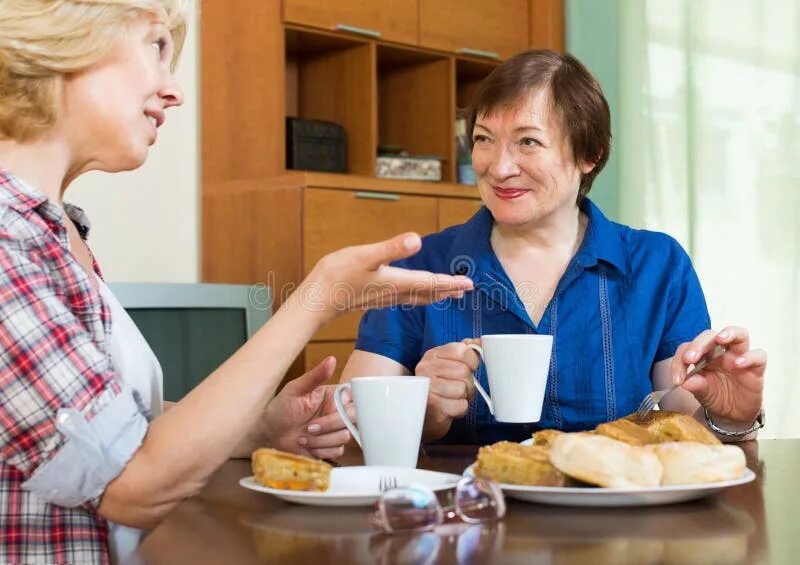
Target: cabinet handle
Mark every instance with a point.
(378, 196)
(358, 30)
(479, 53)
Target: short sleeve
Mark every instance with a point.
(66, 423)
(395, 332)
(686, 309)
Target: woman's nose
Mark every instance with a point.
(171, 92)
(504, 163)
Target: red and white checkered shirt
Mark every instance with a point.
(63, 412)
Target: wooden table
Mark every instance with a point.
(755, 523)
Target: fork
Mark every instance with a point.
(387, 483)
(651, 400)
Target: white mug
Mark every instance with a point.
(516, 367)
(390, 413)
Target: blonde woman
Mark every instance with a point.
(84, 449)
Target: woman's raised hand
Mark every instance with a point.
(359, 277)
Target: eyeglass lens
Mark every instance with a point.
(478, 500)
(410, 509)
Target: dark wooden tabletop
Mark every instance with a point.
(754, 523)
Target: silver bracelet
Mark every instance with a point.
(757, 425)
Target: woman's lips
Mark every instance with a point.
(508, 193)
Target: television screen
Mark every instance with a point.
(190, 342)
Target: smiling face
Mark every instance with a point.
(111, 111)
(524, 164)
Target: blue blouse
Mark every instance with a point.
(627, 299)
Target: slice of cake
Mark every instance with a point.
(287, 471)
(674, 426)
(628, 432)
(512, 463)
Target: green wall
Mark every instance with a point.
(591, 35)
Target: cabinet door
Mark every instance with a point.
(454, 211)
(333, 219)
(500, 27)
(317, 351)
(394, 20)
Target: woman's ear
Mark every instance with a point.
(586, 167)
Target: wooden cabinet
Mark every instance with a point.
(390, 20)
(242, 106)
(333, 219)
(274, 64)
(273, 232)
(547, 24)
(269, 60)
(319, 350)
(496, 29)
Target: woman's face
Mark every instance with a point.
(111, 111)
(524, 163)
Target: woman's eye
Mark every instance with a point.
(479, 139)
(529, 142)
(160, 44)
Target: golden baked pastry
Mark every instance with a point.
(689, 462)
(628, 432)
(674, 426)
(512, 463)
(544, 438)
(281, 470)
(606, 462)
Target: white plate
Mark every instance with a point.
(357, 486)
(616, 497)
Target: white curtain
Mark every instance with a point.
(709, 152)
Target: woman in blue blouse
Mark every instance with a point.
(625, 306)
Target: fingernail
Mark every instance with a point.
(724, 335)
(741, 361)
(302, 440)
(691, 355)
(676, 379)
(411, 242)
(314, 428)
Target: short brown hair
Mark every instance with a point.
(43, 40)
(573, 92)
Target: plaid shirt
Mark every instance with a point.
(63, 411)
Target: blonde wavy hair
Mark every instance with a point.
(43, 40)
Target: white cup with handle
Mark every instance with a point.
(390, 413)
(516, 368)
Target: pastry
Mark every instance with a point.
(287, 471)
(689, 462)
(512, 463)
(627, 431)
(544, 438)
(674, 426)
(606, 462)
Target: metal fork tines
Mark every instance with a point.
(387, 483)
(651, 400)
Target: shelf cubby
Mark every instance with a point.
(415, 103)
(469, 74)
(332, 77)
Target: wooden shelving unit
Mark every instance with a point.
(391, 72)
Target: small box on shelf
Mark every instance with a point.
(315, 145)
(409, 167)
